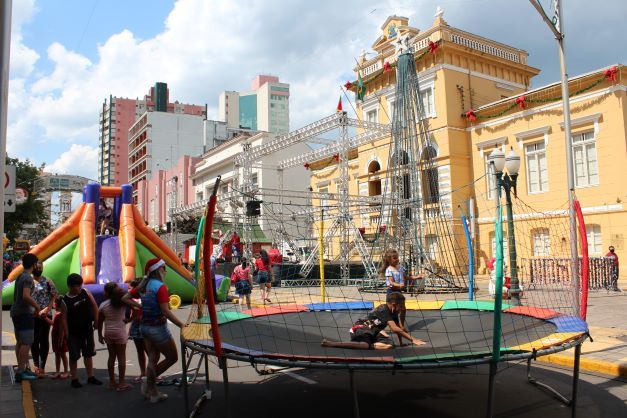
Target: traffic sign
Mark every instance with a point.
(9, 188)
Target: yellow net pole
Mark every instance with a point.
(321, 256)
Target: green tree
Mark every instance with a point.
(33, 210)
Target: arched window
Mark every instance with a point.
(373, 167)
(374, 185)
(430, 181)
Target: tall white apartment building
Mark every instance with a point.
(264, 108)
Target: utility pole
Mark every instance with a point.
(5, 48)
(556, 25)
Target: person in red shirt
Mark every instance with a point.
(614, 256)
(262, 266)
(236, 247)
(276, 260)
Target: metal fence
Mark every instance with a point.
(556, 271)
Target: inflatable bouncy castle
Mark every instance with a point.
(76, 247)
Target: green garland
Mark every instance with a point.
(546, 100)
(374, 75)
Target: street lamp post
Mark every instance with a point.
(507, 181)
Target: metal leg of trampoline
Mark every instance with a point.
(225, 382)
(572, 402)
(351, 374)
(493, 369)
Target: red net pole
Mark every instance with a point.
(207, 269)
(584, 259)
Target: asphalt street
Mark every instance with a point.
(458, 392)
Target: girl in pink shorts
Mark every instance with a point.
(111, 314)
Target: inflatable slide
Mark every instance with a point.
(74, 247)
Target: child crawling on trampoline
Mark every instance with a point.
(369, 334)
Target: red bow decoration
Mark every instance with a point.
(306, 165)
(611, 73)
(386, 67)
(433, 47)
(348, 85)
(336, 157)
(470, 115)
(520, 101)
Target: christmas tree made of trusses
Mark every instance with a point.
(412, 206)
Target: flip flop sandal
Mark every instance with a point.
(137, 379)
(123, 388)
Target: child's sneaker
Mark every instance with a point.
(76, 384)
(22, 375)
(29, 375)
(93, 381)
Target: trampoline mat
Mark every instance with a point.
(298, 335)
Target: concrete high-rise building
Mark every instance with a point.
(117, 116)
(264, 108)
(157, 140)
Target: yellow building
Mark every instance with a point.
(533, 127)
(460, 72)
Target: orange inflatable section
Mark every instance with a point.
(150, 240)
(87, 232)
(110, 191)
(127, 243)
(56, 240)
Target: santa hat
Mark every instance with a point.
(152, 265)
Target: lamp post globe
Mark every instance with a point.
(512, 162)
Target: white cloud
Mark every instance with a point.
(80, 160)
(210, 46)
(23, 59)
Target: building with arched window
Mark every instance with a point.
(476, 94)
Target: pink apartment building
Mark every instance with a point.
(165, 190)
(117, 115)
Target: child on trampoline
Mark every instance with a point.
(369, 334)
(395, 279)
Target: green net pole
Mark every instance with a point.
(498, 286)
(198, 254)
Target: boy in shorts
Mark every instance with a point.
(80, 313)
(369, 334)
(23, 313)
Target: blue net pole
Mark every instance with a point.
(471, 260)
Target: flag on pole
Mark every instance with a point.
(339, 105)
(361, 88)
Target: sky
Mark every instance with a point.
(68, 56)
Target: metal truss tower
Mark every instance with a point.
(404, 201)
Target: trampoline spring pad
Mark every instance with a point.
(341, 306)
(548, 341)
(480, 305)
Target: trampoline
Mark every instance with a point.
(456, 333)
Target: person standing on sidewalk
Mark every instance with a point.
(23, 316)
(276, 261)
(80, 313)
(612, 254)
(44, 294)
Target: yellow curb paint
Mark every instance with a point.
(590, 365)
(27, 400)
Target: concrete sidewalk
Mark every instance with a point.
(16, 401)
(606, 353)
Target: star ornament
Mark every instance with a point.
(401, 44)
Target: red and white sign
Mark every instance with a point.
(9, 189)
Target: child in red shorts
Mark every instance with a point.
(59, 343)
